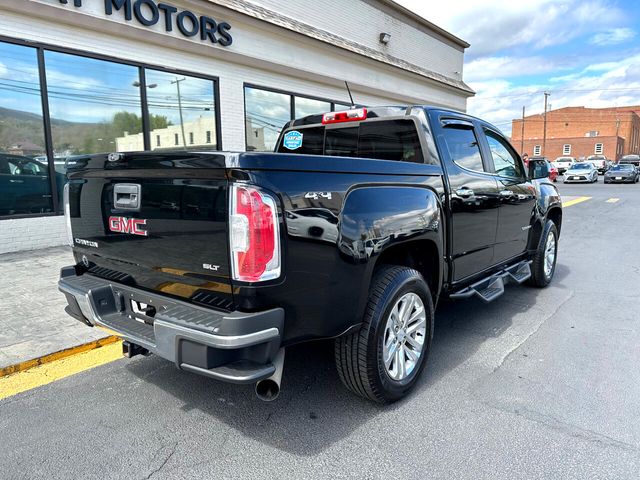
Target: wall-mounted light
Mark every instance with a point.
(384, 38)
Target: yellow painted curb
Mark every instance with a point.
(58, 369)
(52, 357)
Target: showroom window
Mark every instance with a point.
(90, 105)
(25, 186)
(267, 111)
(180, 104)
(94, 105)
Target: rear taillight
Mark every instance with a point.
(347, 116)
(67, 213)
(253, 235)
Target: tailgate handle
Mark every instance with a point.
(126, 196)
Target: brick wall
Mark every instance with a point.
(580, 146)
(572, 125)
(31, 233)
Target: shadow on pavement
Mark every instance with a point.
(314, 410)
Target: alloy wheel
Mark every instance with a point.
(549, 254)
(404, 336)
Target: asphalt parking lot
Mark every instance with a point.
(538, 384)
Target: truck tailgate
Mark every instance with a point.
(155, 221)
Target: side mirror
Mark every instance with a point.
(538, 169)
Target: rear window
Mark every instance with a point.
(341, 142)
(382, 140)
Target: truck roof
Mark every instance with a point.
(377, 112)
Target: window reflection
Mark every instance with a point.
(24, 177)
(181, 111)
(308, 106)
(92, 104)
(265, 115)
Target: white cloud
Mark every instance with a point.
(485, 68)
(3, 70)
(596, 86)
(493, 26)
(613, 36)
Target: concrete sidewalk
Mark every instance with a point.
(33, 322)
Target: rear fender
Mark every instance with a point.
(377, 218)
(548, 203)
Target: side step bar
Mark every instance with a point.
(490, 288)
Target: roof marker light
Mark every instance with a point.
(355, 115)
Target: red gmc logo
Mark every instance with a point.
(127, 225)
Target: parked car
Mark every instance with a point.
(581, 172)
(623, 173)
(600, 162)
(383, 226)
(630, 159)
(563, 163)
(24, 185)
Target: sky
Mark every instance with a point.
(583, 52)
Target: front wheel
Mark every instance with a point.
(543, 266)
(383, 360)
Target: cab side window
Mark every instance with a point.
(463, 148)
(506, 163)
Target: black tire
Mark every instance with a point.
(359, 356)
(538, 277)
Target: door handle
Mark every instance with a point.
(15, 181)
(126, 196)
(464, 192)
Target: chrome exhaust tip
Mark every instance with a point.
(268, 389)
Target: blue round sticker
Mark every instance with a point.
(292, 140)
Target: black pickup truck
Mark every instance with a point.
(352, 230)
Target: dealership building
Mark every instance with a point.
(88, 76)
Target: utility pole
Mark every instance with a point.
(522, 134)
(544, 135)
(177, 84)
(617, 131)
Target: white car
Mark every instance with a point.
(581, 172)
(563, 164)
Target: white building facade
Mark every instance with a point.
(87, 76)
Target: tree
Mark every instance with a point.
(159, 121)
(126, 122)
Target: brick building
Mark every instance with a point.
(580, 132)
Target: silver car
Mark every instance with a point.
(581, 172)
(623, 173)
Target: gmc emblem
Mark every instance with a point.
(127, 225)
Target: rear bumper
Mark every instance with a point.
(234, 347)
(581, 180)
(623, 180)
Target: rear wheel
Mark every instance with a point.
(544, 260)
(383, 360)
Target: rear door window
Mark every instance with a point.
(462, 146)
